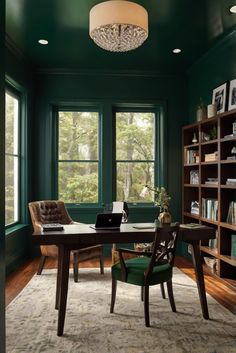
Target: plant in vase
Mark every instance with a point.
(162, 200)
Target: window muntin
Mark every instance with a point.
(135, 155)
(78, 156)
(12, 156)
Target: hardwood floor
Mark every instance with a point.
(216, 288)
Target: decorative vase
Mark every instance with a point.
(165, 217)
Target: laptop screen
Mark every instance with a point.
(108, 221)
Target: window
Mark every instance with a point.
(78, 156)
(135, 155)
(12, 156)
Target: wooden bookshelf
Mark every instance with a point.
(211, 192)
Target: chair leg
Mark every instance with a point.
(163, 290)
(113, 294)
(142, 294)
(41, 264)
(76, 267)
(171, 296)
(146, 306)
(101, 265)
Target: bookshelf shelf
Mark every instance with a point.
(191, 185)
(209, 186)
(214, 138)
(210, 251)
(228, 226)
(229, 259)
(230, 161)
(206, 163)
(228, 186)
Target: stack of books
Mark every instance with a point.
(231, 182)
(212, 181)
(50, 227)
(211, 157)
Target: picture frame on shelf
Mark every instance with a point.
(219, 97)
(232, 95)
(194, 177)
(194, 208)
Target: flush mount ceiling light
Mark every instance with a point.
(233, 9)
(118, 25)
(43, 41)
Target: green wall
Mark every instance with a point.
(108, 89)
(217, 66)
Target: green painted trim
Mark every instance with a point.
(14, 229)
(117, 73)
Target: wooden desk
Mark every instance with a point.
(79, 236)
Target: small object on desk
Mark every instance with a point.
(52, 227)
(191, 225)
(144, 227)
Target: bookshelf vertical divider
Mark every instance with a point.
(209, 189)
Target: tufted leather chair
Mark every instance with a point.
(54, 211)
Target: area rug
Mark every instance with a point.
(31, 325)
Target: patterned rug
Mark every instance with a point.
(90, 328)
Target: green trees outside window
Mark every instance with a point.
(12, 155)
(78, 156)
(132, 155)
(135, 155)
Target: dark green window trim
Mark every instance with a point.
(106, 148)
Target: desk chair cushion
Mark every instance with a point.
(136, 268)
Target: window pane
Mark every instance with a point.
(135, 136)
(78, 182)
(131, 179)
(78, 135)
(11, 190)
(12, 111)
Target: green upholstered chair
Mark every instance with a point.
(148, 268)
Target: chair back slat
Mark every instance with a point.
(163, 248)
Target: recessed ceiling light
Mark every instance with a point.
(176, 51)
(233, 9)
(43, 41)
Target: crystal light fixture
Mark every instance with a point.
(118, 25)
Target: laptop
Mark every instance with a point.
(108, 221)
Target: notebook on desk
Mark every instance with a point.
(108, 221)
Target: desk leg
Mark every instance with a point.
(199, 277)
(59, 269)
(62, 283)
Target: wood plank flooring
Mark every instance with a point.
(216, 288)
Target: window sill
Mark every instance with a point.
(15, 228)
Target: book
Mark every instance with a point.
(213, 243)
(191, 226)
(231, 216)
(233, 245)
(52, 227)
